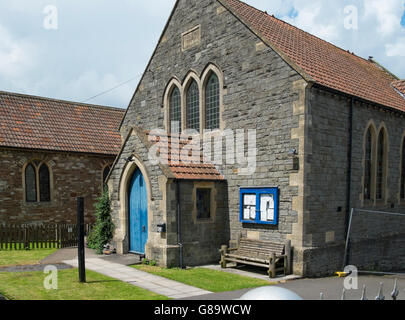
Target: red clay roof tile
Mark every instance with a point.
(323, 62)
(400, 86)
(192, 168)
(41, 123)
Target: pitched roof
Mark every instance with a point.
(320, 61)
(189, 167)
(48, 124)
(400, 86)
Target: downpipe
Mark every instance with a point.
(179, 234)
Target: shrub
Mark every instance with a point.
(103, 230)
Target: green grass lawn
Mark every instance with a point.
(23, 257)
(29, 286)
(211, 280)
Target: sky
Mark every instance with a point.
(75, 50)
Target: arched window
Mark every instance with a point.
(44, 184)
(30, 183)
(193, 107)
(175, 110)
(403, 171)
(380, 165)
(37, 182)
(368, 165)
(212, 102)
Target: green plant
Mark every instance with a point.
(145, 261)
(153, 263)
(103, 230)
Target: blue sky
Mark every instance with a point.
(403, 20)
(100, 44)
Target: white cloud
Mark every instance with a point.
(100, 44)
(15, 55)
(309, 18)
(388, 14)
(396, 49)
(379, 32)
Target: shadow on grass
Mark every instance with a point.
(102, 281)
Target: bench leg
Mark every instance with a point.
(272, 266)
(287, 261)
(224, 249)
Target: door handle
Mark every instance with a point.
(143, 228)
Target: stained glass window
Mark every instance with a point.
(212, 103)
(193, 107)
(44, 184)
(30, 184)
(175, 111)
(37, 178)
(380, 165)
(368, 166)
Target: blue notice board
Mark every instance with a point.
(259, 205)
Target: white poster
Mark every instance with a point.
(253, 212)
(246, 213)
(249, 200)
(266, 207)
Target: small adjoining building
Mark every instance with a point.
(329, 135)
(51, 152)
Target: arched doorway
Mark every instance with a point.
(138, 213)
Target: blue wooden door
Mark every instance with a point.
(138, 213)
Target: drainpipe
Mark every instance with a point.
(349, 177)
(179, 238)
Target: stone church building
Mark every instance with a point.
(51, 152)
(329, 133)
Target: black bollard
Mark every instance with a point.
(80, 238)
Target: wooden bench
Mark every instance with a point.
(260, 254)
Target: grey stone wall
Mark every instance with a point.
(201, 240)
(258, 94)
(376, 238)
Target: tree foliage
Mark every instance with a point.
(103, 230)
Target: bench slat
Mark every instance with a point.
(262, 249)
(248, 258)
(247, 262)
(252, 245)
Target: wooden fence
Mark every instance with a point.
(24, 237)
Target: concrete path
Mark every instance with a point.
(159, 285)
